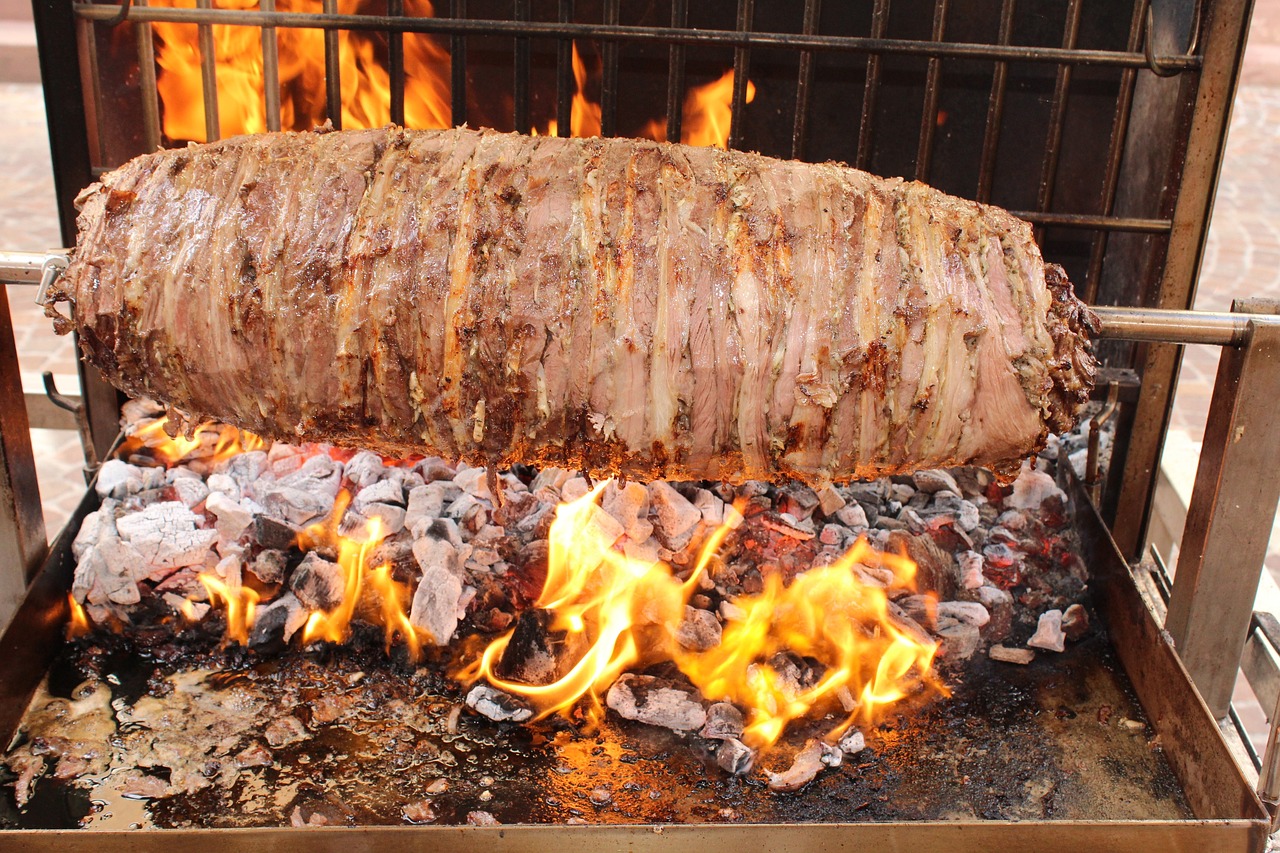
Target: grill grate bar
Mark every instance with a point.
(208, 76)
(871, 89)
(609, 74)
(675, 73)
(395, 64)
(1058, 113)
(457, 66)
(520, 65)
(1115, 151)
(270, 71)
(332, 70)
(741, 71)
(804, 81)
(564, 75)
(621, 33)
(147, 84)
(1093, 220)
(929, 114)
(995, 107)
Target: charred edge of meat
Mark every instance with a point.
(1074, 367)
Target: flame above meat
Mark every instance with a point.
(365, 80)
(626, 612)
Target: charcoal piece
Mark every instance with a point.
(935, 569)
(272, 533)
(1008, 655)
(699, 630)
(318, 583)
(675, 518)
(968, 612)
(959, 640)
(496, 705)
(804, 768)
(734, 756)
(657, 702)
(724, 721)
(530, 656)
(1075, 622)
(1049, 635)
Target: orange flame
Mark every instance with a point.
(707, 113)
(78, 625)
(628, 611)
(391, 596)
(210, 442)
(239, 602)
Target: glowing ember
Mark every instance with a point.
(627, 611)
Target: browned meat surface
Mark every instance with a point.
(616, 305)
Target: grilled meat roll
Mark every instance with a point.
(615, 305)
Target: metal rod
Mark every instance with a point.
(804, 81)
(675, 74)
(621, 33)
(457, 65)
(209, 76)
(741, 73)
(1115, 152)
(564, 76)
(1173, 327)
(929, 113)
(995, 108)
(520, 68)
(1090, 220)
(28, 267)
(1058, 114)
(395, 64)
(271, 71)
(609, 74)
(871, 88)
(332, 70)
(147, 85)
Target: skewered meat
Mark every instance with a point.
(616, 305)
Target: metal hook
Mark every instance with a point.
(125, 5)
(49, 271)
(1093, 458)
(1157, 67)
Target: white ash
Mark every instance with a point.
(1006, 654)
(232, 516)
(497, 706)
(440, 599)
(852, 742)
(1033, 488)
(968, 612)
(1049, 635)
(629, 506)
(117, 478)
(724, 721)
(935, 480)
(971, 576)
(388, 491)
(675, 518)
(735, 757)
(166, 535)
(853, 516)
(804, 768)
(657, 702)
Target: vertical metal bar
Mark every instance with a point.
(22, 536)
(208, 76)
(995, 108)
(675, 73)
(871, 89)
(929, 115)
(270, 71)
(1115, 151)
(147, 83)
(395, 64)
(1225, 539)
(741, 72)
(332, 69)
(1058, 113)
(609, 74)
(1224, 28)
(804, 82)
(564, 75)
(520, 66)
(91, 82)
(458, 67)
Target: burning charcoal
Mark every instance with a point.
(233, 518)
(530, 656)
(272, 533)
(676, 518)
(970, 570)
(245, 468)
(418, 813)
(180, 604)
(731, 612)
(959, 640)
(438, 600)
(788, 525)
(735, 757)
(280, 619)
(166, 535)
(807, 765)
(1049, 635)
(934, 569)
(318, 583)
(390, 516)
(296, 506)
(191, 491)
(364, 469)
(724, 721)
(574, 488)
(832, 534)
(852, 742)
(968, 612)
(715, 511)
(1032, 488)
(935, 480)
(482, 819)
(285, 730)
(96, 525)
(629, 506)
(516, 507)
(923, 609)
(1075, 622)
(550, 478)
(443, 529)
(830, 500)
(269, 566)
(497, 706)
(253, 755)
(224, 485)
(468, 511)
(832, 756)
(382, 492)
(968, 516)
(425, 503)
(797, 500)
(699, 631)
(1008, 655)
(853, 516)
(474, 482)
(117, 479)
(973, 482)
(657, 702)
(901, 492)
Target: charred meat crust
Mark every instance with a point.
(621, 306)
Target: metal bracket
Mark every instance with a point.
(76, 407)
(1157, 67)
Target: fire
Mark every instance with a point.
(78, 624)
(626, 611)
(210, 443)
(239, 602)
(707, 112)
(353, 552)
